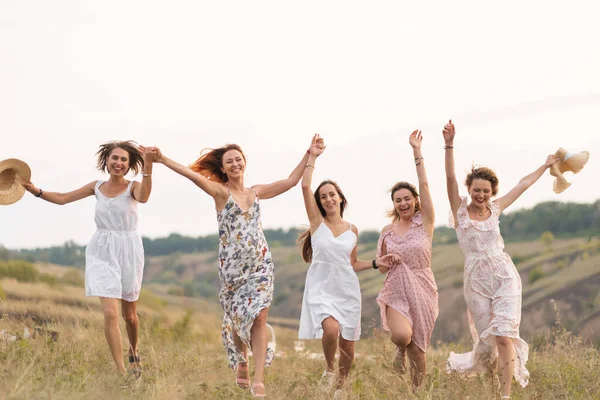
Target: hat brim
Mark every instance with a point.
(13, 173)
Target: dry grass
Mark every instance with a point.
(188, 362)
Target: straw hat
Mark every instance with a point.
(12, 173)
(567, 162)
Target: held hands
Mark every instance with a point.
(317, 145)
(415, 139)
(152, 154)
(389, 260)
(449, 133)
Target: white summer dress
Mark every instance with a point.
(492, 289)
(114, 257)
(332, 288)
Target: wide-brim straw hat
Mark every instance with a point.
(13, 172)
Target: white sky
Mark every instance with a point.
(520, 79)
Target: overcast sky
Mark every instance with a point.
(520, 79)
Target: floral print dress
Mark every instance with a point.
(245, 273)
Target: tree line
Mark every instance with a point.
(562, 219)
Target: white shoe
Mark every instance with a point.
(327, 381)
(338, 394)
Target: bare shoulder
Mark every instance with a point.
(387, 228)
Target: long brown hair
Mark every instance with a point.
(136, 160)
(403, 185)
(304, 240)
(210, 162)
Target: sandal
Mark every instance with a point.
(258, 385)
(242, 383)
(327, 381)
(135, 366)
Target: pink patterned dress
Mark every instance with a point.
(409, 287)
(492, 288)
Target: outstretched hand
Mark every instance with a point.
(415, 139)
(30, 187)
(449, 132)
(389, 260)
(317, 145)
(550, 160)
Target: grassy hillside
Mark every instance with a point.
(183, 357)
(566, 270)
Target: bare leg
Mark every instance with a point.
(506, 363)
(259, 340)
(401, 336)
(132, 323)
(418, 364)
(331, 330)
(242, 371)
(110, 308)
(346, 358)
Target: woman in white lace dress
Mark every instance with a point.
(492, 285)
(114, 257)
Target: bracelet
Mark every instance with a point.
(308, 151)
(418, 160)
(309, 166)
(146, 174)
(448, 147)
(374, 263)
(39, 194)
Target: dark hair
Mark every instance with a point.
(403, 185)
(304, 240)
(211, 161)
(136, 160)
(485, 174)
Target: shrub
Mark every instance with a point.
(20, 270)
(535, 274)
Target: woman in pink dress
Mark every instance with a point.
(492, 285)
(409, 298)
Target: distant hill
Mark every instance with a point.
(562, 219)
(554, 245)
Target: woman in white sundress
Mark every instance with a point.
(331, 306)
(246, 270)
(492, 285)
(114, 257)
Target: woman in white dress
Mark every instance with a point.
(114, 257)
(332, 302)
(492, 285)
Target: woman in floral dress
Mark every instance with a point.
(492, 285)
(245, 263)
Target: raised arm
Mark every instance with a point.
(524, 184)
(270, 190)
(61, 198)
(383, 263)
(427, 210)
(312, 210)
(214, 189)
(141, 191)
(451, 183)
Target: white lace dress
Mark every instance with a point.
(492, 289)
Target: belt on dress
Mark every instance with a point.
(482, 255)
(110, 234)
